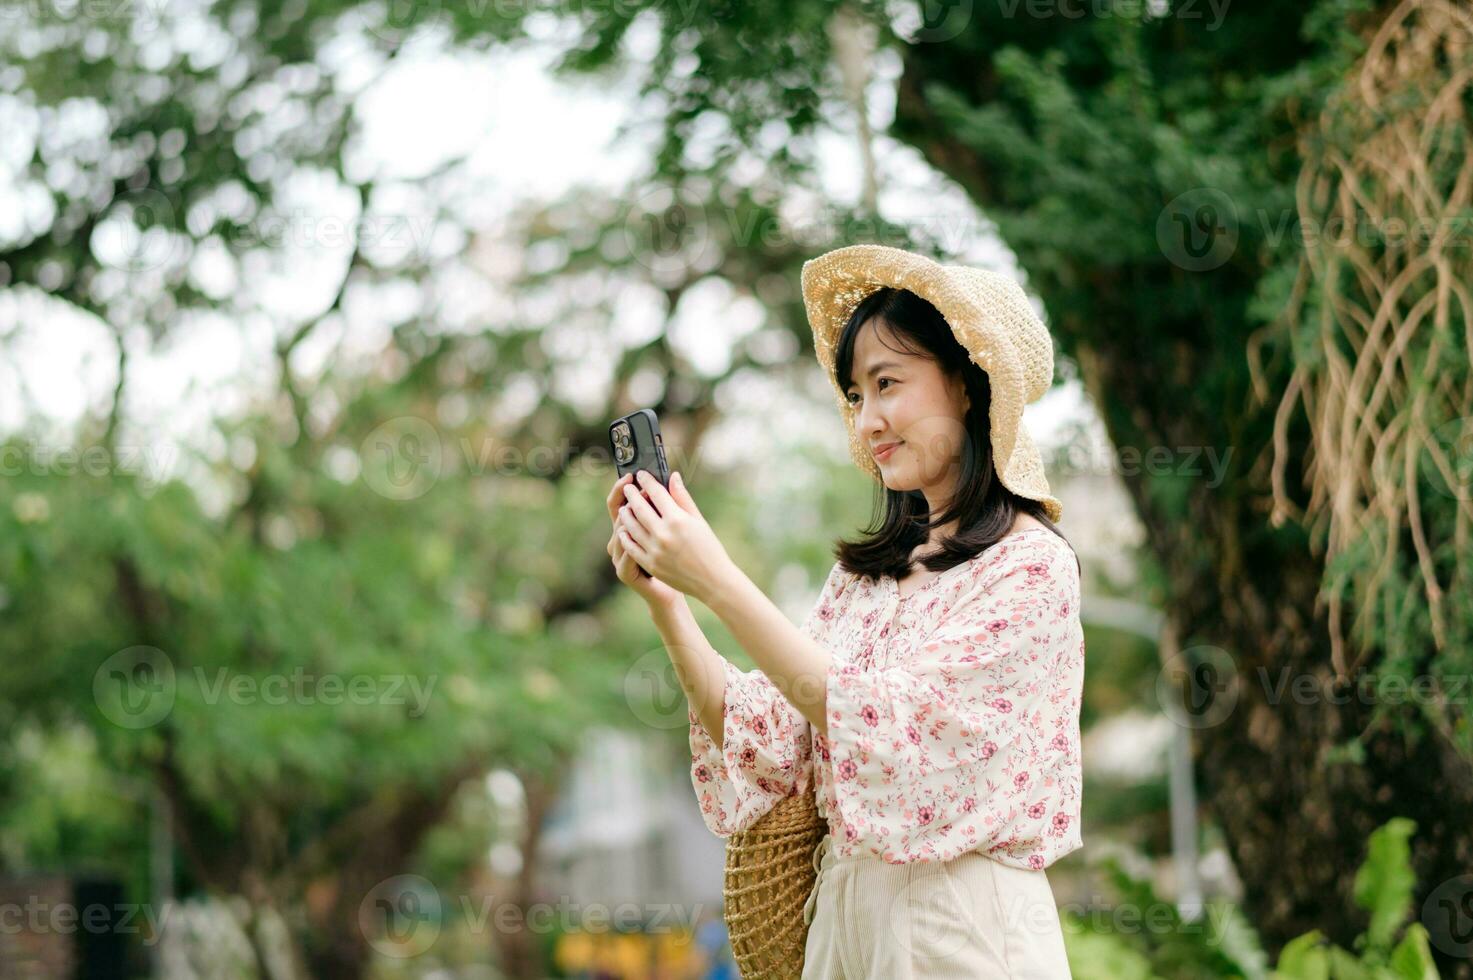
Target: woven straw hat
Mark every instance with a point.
(990, 316)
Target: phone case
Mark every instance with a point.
(648, 446)
(646, 450)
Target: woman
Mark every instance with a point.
(931, 697)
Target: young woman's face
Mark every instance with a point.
(906, 398)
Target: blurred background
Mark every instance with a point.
(314, 315)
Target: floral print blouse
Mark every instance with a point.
(953, 715)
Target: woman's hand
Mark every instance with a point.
(651, 589)
(667, 535)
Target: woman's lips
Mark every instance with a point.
(885, 453)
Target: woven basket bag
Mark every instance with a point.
(769, 875)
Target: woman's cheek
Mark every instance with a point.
(939, 449)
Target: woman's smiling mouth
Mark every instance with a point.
(884, 452)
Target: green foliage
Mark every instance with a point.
(1384, 888)
(346, 585)
(1223, 944)
(1215, 944)
(1384, 884)
(65, 808)
(1102, 956)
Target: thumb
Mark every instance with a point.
(682, 495)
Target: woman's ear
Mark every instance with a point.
(961, 384)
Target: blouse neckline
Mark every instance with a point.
(895, 583)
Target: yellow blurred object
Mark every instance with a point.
(574, 951)
(631, 955)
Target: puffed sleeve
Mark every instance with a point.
(766, 752)
(972, 744)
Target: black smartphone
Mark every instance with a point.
(637, 445)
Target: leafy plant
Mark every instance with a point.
(1383, 887)
(1223, 944)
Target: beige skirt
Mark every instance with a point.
(969, 918)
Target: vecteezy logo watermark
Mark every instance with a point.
(139, 233)
(1198, 230)
(928, 918)
(401, 18)
(1448, 915)
(941, 21)
(135, 688)
(653, 691)
(402, 458)
(400, 917)
(668, 231)
(1198, 686)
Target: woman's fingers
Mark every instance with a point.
(632, 545)
(641, 509)
(633, 518)
(663, 501)
(616, 495)
(625, 567)
(641, 535)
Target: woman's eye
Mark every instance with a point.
(853, 394)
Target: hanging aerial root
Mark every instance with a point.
(1381, 302)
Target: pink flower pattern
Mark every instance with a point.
(953, 716)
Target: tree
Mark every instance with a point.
(384, 522)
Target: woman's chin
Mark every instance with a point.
(897, 479)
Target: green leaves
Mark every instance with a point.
(1172, 947)
(1304, 958)
(1384, 884)
(1412, 958)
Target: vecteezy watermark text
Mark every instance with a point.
(305, 688)
(137, 687)
(152, 462)
(39, 916)
(402, 916)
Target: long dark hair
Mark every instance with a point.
(983, 508)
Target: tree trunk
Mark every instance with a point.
(519, 949)
(339, 945)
